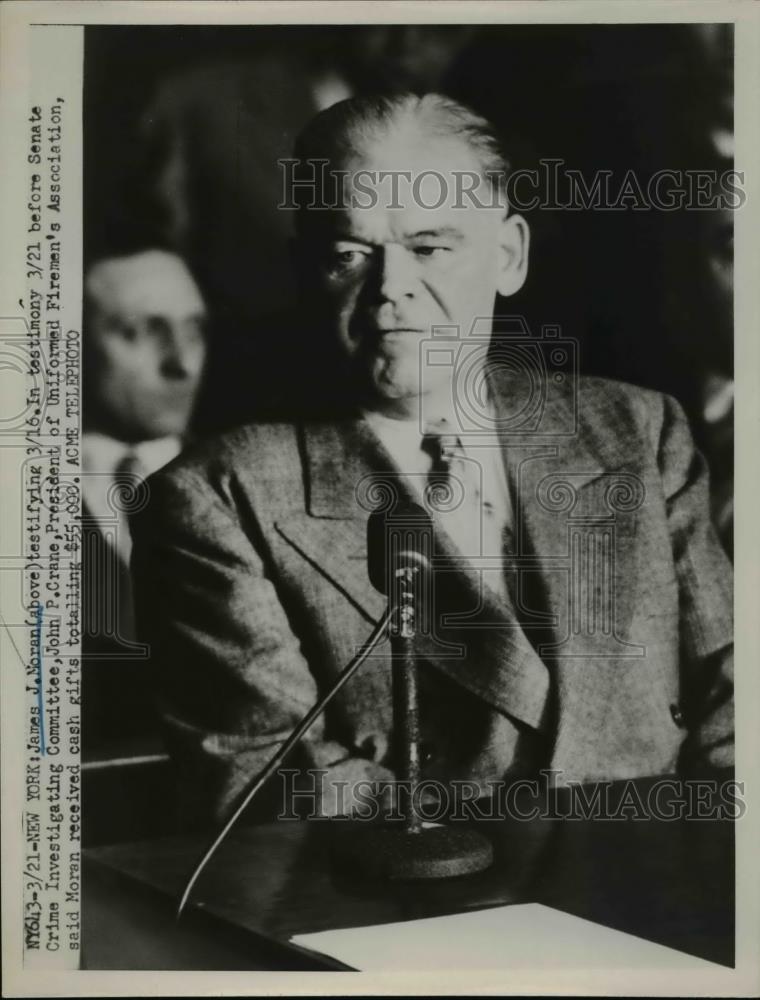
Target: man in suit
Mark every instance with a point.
(581, 602)
(144, 354)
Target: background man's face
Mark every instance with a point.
(392, 274)
(145, 346)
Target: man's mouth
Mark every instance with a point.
(386, 331)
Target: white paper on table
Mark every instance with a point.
(523, 936)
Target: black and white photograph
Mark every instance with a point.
(374, 605)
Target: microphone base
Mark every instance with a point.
(393, 853)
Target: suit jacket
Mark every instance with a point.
(118, 716)
(611, 659)
(116, 693)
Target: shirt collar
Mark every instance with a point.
(411, 431)
(102, 453)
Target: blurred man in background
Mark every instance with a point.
(144, 356)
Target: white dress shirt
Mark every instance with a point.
(479, 523)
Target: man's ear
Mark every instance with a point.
(514, 240)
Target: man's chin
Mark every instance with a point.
(166, 425)
(396, 378)
(395, 397)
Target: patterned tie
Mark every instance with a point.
(455, 495)
(454, 488)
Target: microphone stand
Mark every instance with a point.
(409, 849)
(406, 733)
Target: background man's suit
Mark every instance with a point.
(613, 658)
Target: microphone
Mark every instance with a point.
(400, 548)
(399, 539)
(399, 552)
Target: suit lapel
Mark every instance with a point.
(576, 503)
(347, 473)
(478, 641)
(473, 640)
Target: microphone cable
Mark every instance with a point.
(301, 729)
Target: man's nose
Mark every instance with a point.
(182, 354)
(396, 273)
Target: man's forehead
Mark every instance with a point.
(379, 224)
(415, 218)
(412, 148)
(152, 282)
(408, 185)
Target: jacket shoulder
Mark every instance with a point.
(222, 465)
(599, 396)
(628, 416)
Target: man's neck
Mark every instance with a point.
(101, 452)
(415, 409)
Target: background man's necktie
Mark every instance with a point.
(111, 612)
(129, 477)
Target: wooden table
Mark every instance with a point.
(670, 881)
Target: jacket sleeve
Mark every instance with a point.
(705, 584)
(229, 674)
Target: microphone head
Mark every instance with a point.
(398, 537)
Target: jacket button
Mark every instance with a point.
(677, 714)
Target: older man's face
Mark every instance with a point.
(393, 272)
(145, 346)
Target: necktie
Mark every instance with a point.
(454, 489)
(455, 496)
(129, 495)
(113, 612)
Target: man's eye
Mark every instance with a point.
(434, 252)
(347, 259)
(125, 330)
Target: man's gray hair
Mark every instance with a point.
(351, 126)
